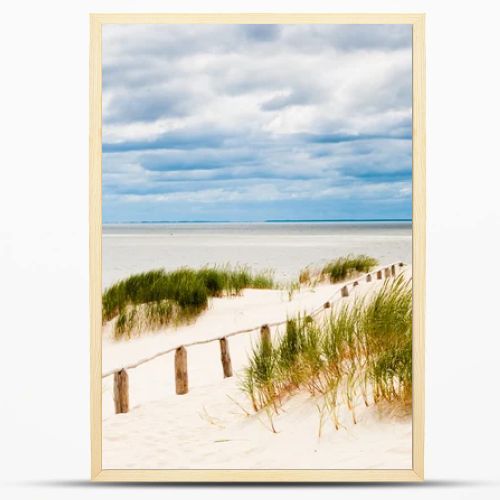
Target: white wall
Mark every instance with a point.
(44, 413)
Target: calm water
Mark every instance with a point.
(284, 247)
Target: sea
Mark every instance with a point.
(281, 247)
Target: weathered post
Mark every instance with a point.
(387, 272)
(225, 358)
(344, 292)
(120, 391)
(355, 283)
(368, 278)
(393, 270)
(181, 373)
(379, 274)
(265, 334)
(401, 264)
(326, 305)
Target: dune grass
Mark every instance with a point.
(338, 270)
(361, 353)
(344, 267)
(156, 298)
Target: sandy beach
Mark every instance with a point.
(213, 425)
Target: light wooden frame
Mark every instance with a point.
(95, 213)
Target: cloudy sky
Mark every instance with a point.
(256, 122)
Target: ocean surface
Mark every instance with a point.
(285, 248)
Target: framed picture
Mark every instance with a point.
(257, 247)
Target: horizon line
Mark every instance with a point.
(265, 221)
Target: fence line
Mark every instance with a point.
(388, 270)
(120, 385)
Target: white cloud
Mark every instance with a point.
(278, 106)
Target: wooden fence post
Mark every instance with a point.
(225, 358)
(265, 334)
(326, 305)
(379, 274)
(181, 373)
(393, 270)
(344, 292)
(387, 272)
(355, 283)
(368, 278)
(120, 391)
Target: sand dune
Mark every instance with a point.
(210, 428)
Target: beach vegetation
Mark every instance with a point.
(346, 267)
(338, 270)
(305, 276)
(157, 298)
(360, 353)
(293, 288)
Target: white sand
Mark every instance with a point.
(209, 428)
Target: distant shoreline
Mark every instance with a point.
(270, 221)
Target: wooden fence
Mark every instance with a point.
(120, 382)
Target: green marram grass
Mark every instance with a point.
(338, 270)
(360, 352)
(345, 267)
(157, 298)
